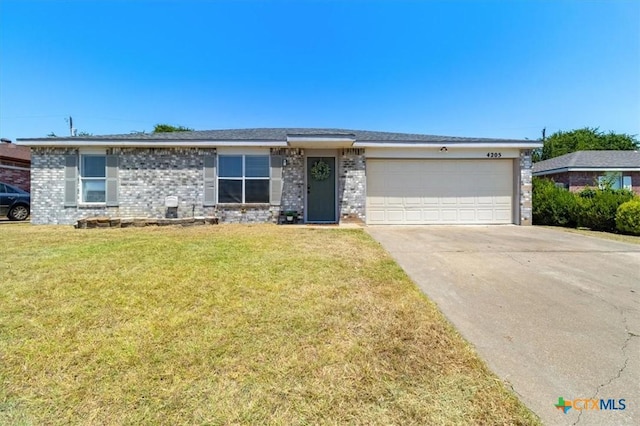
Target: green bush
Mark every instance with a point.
(552, 205)
(596, 208)
(628, 217)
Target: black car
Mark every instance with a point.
(15, 203)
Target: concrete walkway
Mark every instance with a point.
(554, 314)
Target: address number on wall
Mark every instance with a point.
(494, 154)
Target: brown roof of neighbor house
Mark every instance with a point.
(9, 151)
(589, 160)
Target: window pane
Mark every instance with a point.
(256, 191)
(93, 165)
(616, 183)
(229, 191)
(93, 191)
(257, 166)
(626, 182)
(230, 166)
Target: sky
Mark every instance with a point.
(476, 68)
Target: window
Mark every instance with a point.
(614, 180)
(93, 178)
(243, 179)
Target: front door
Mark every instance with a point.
(321, 189)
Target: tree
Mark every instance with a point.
(166, 128)
(561, 143)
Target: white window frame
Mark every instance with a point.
(82, 178)
(243, 178)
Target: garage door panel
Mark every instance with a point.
(484, 201)
(430, 215)
(413, 216)
(395, 216)
(430, 201)
(486, 214)
(467, 200)
(376, 216)
(448, 215)
(412, 201)
(503, 215)
(467, 215)
(448, 200)
(439, 191)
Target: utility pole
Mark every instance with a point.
(544, 138)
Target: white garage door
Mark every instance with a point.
(439, 191)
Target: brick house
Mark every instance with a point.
(15, 165)
(254, 175)
(578, 170)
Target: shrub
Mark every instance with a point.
(596, 208)
(628, 217)
(552, 205)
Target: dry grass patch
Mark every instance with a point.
(228, 325)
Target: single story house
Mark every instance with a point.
(15, 164)
(577, 170)
(254, 175)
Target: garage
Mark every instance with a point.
(437, 191)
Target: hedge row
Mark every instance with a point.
(607, 210)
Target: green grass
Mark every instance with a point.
(228, 325)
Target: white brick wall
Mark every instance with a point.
(352, 184)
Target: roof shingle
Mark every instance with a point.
(590, 160)
(280, 134)
(14, 152)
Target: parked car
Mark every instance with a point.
(15, 203)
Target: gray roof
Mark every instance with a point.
(596, 160)
(280, 134)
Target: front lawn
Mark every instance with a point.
(228, 325)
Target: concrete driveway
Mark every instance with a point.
(554, 314)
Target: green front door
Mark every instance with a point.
(321, 189)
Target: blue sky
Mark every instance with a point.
(457, 68)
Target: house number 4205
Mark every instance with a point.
(494, 154)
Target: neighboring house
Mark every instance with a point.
(15, 164)
(253, 175)
(577, 170)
